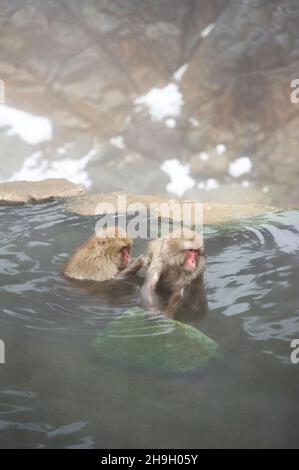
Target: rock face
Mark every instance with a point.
(120, 202)
(164, 207)
(159, 345)
(38, 191)
(116, 202)
(84, 64)
(239, 83)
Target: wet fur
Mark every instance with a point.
(99, 258)
(167, 271)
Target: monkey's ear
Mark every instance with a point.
(101, 236)
(102, 241)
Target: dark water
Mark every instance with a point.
(55, 393)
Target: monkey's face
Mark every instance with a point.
(191, 257)
(114, 245)
(124, 256)
(120, 254)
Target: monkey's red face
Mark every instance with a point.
(191, 256)
(125, 255)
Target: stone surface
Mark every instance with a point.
(209, 164)
(238, 87)
(38, 191)
(118, 202)
(130, 171)
(156, 344)
(243, 195)
(83, 64)
(163, 206)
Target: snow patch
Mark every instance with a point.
(178, 75)
(204, 156)
(205, 32)
(162, 102)
(64, 148)
(36, 168)
(193, 121)
(220, 149)
(240, 166)
(30, 128)
(266, 189)
(245, 183)
(211, 183)
(179, 175)
(118, 141)
(171, 123)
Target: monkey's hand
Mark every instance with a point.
(174, 302)
(148, 290)
(134, 266)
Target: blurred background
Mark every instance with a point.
(189, 98)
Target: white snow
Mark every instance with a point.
(64, 148)
(30, 128)
(178, 75)
(162, 102)
(211, 183)
(179, 175)
(205, 32)
(36, 168)
(220, 149)
(265, 189)
(170, 122)
(240, 166)
(193, 121)
(61, 150)
(204, 156)
(118, 141)
(245, 183)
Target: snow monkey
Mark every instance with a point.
(103, 256)
(174, 262)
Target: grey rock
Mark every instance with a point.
(37, 191)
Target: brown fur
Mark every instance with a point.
(167, 270)
(99, 258)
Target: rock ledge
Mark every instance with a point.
(19, 192)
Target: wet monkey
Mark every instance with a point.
(175, 264)
(102, 257)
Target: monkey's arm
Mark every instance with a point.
(148, 290)
(174, 301)
(178, 295)
(135, 265)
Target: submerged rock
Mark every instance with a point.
(36, 191)
(154, 343)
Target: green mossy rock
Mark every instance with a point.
(159, 344)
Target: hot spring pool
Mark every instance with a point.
(54, 392)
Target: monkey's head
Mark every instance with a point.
(115, 245)
(183, 249)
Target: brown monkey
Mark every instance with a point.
(174, 262)
(102, 257)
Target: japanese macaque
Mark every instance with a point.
(102, 257)
(174, 263)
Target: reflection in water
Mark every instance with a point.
(55, 394)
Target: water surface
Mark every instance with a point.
(55, 393)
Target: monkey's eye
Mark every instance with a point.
(192, 250)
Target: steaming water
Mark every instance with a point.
(55, 393)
